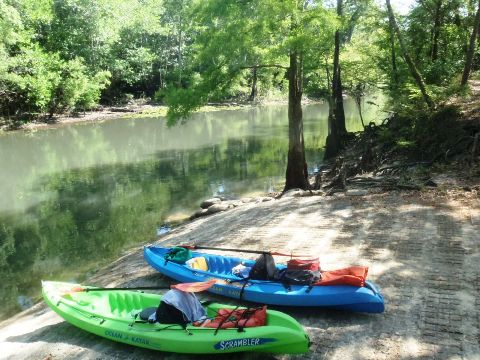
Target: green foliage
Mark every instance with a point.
(76, 90)
(34, 80)
(423, 135)
(7, 245)
(439, 133)
(234, 36)
(42, 82)
(55, 56)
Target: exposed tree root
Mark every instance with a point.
(373, 160)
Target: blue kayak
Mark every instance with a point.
(342, 297)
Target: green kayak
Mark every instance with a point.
(111, 314)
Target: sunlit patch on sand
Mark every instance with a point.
(411, 347)
(381, 268)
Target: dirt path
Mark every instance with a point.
(423, 250)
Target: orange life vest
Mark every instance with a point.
(228, 318)
(353, 275)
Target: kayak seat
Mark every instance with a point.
(199, 263)
(221, 265)
(122, 303)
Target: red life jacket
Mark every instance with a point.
(353, 275)
(228, 318)
(304, 264)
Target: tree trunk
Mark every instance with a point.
(359, 93)
(332, 145)
(180, 61)
(394, 55)
(413, 69)
(336, 118)
(436, 31)
(296, 175)
(337, 78)
(471, 48)
(339, 111)
(253, 93)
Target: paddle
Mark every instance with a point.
(187, 287)
(193, 247)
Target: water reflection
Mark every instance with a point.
(72, 198)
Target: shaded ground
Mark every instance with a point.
(469, 104)
(422, 249)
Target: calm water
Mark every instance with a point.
(71, 198)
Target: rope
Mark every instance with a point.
(225, 319)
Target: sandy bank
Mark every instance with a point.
(422, 250)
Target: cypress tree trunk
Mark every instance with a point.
(394, 55)
(436, 31)
(336, 119)
(296, 175)
(471, 48)
(339, 112)
(253, 93)
(413, 69)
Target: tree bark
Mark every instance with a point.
(296, 175)
(339, 111)
(359, 93)
(253, 93)
(408, 59)
(393, 53)
(436, 30)
(336, 119)
(471, 48)
(337, 79)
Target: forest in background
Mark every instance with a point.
(71, 55)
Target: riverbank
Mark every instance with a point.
(101, 114)
(137, 109)
(421, 247)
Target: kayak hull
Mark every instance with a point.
(342, 297)
(110, 314)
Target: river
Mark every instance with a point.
(74, 197)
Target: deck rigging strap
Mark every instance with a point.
(225, 319)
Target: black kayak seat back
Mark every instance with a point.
(165, 314)
(264, 268)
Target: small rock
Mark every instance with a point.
(209, 202)
(265, 199)
(318, 192)
(217, 208)
(246, 200)
(199, 213)
(356, 192)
